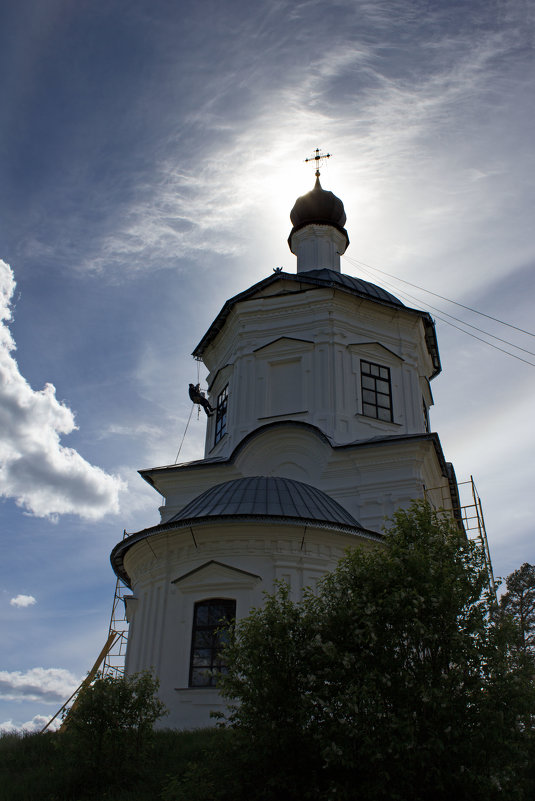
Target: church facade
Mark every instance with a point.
(319, 384)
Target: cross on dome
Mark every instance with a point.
(318, 158)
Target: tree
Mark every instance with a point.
(394, 681)
(519, 603)
(267, 679)
(109, 729)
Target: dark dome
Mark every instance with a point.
(318, 206)
(267, 496)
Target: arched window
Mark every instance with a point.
(210, 618)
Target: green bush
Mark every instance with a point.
(109, 730)
(396, 681)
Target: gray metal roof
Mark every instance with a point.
(358, 285)
(266, 496)
(318, 205)
(322, 278)
(265, 499)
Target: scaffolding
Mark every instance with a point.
(114, 661)
(469, 512)
(474, 523)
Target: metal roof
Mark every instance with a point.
(301, 282)
(263, 499)
(266, 496)
(358, 285)
(318, 207)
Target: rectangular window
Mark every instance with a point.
(425, 410)
(210, 619)
(376, 391)
(221, 415)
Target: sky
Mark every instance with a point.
(150, 153)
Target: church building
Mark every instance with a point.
(317, 431)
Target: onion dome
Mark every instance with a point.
(318, 207)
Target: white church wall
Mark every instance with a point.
(236, 561)
(393, 472)
(318, 246)
(305, 373)
(325, 386)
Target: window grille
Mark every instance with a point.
(211, 618)
(221, 415)
(376, 391)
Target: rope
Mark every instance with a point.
(185, 432)
(191, 412)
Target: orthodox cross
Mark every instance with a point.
(318, 158)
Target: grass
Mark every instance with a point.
(51, 766)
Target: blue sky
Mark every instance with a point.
(150, 153)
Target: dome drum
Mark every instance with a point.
(317, 246)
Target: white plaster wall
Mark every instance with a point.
(318, 246)
(237, 561)
(307, 348)
(371, 479)
(288, 357)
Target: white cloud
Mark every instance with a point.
(387, 125)
(50, 685)
(37, 723)
(23, 600)
(44, 477)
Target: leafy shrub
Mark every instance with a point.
(395, 681)
(109, 730)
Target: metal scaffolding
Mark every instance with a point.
(471, 516)
(474, 523)
(115, 656)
